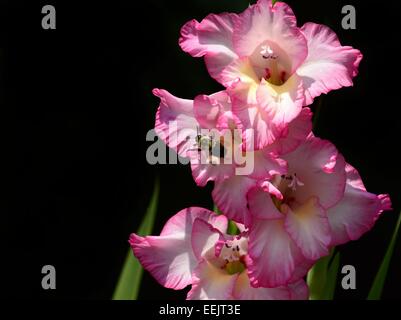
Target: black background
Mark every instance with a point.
(76, 105)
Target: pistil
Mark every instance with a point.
(272, 73)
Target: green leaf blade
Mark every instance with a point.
(375, 292)
(232, 228)
(131, 275)
(130, 279)
(216, 210)
(331, 279)
(317, 278)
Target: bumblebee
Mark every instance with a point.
(210, 143)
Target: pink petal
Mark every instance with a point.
(212, 38)
(259, 132)
(270, 188)
(210, 282)
(321, 168)
(230, 197)
(385, 201)
(308, 226)
(241, 80)
(175, 122)
(204, 239)
(298, 131)
(207, 109)
(169, 257)
(265, 165)
(353, 177)
(214, 113)
(282, 104)
(273, 256)
(261, 205)
(329, 65)
(228, 121)
(357, 212)
(277, 25)
(299, 290)
(301, 270)
(182, 221)
(244, 291)
(203, 171)
(241, 227)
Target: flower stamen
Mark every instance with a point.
(233, 256)
(267, 52)
(295, 182)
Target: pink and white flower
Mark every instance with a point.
(297, 217)
(178, 124)
(270, 66)
(193, 249)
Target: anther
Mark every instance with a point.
(267, 52)
(295, 182)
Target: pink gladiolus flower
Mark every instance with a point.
(230, 194)
(178, 123)
(193, 249)
(270, 66)
(321, 202)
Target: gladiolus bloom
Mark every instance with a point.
(193, 249)
(321, 202)
(270, 66)
(178, 124)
